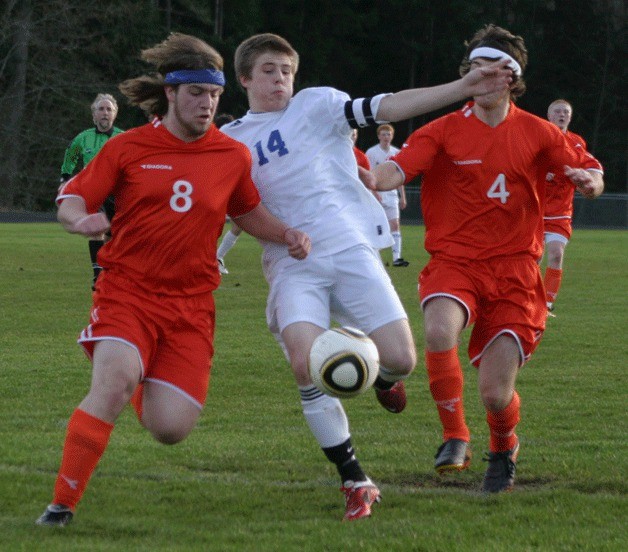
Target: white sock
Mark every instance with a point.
(396, 247)
(389, 376)
(325, 416)
(226, 244)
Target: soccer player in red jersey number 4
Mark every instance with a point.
(482, 203)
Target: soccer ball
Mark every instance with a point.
(343, 362)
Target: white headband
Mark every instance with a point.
(487, 52)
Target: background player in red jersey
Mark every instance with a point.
(559, 196)
(151, 329)
(360, 156)
(482, 205)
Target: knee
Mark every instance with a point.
(439, 337)
(555, 258)
(169, 435)
(494, 399)
(400, 361)
(299, 365)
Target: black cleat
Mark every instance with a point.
(500, 474)
(56, 515)
(452, 455)
(400, 262)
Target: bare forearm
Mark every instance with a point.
(411, 103)
(74, 218)
(477, 82)
(597, 185)
(387, 176)
(71, 210)
(261, 224)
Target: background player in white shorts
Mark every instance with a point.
(306, 172)
(392, 200)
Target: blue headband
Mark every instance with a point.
(194, 76)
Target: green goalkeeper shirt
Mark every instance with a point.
(83, 149)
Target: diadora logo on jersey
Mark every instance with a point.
(235, 123)
(468, 162)
(157, 167)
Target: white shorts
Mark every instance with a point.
(390, 203)
(350, 287)
(555, 237)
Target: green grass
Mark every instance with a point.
(251, 477)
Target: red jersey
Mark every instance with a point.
(559, 189)
(361, 158)
(480, 194)
(171, 198)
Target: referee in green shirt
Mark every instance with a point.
(84, 148)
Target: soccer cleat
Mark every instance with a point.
(221, 266)
(452, 455)
(400, 262)
(359, 497)
(500, 474)
(550, 310)
(56, 515)
(393, 399)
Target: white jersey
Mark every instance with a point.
(377, 156)
(307, 174)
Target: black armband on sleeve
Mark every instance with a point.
(358, 113)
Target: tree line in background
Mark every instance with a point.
(55, 56)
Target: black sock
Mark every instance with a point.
(346, 463)
(382, 384)
(94, 248)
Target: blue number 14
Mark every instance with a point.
(275, 144)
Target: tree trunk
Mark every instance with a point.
(12, 109)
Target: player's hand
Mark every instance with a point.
(369, 181)
(491, 78)
(92, 225)
(299, 244)
(583, 181)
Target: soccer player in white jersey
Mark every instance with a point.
(392, 200)
(306, 172)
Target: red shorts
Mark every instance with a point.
(172, 335)
(560, 226)
(500, 295)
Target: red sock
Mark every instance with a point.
(137, 400)
(446, 381)
(85, 442)
(502, 425)
(553, 278)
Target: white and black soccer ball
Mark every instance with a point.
(343, 362)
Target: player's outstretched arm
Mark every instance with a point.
(262, 224)
(73, 216)
(411, 103)
(589, 183)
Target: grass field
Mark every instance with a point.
(251, 477)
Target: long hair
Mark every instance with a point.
(497, 37)
(178, 51)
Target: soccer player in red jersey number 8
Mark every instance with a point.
(482, 203)
(150, 335)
